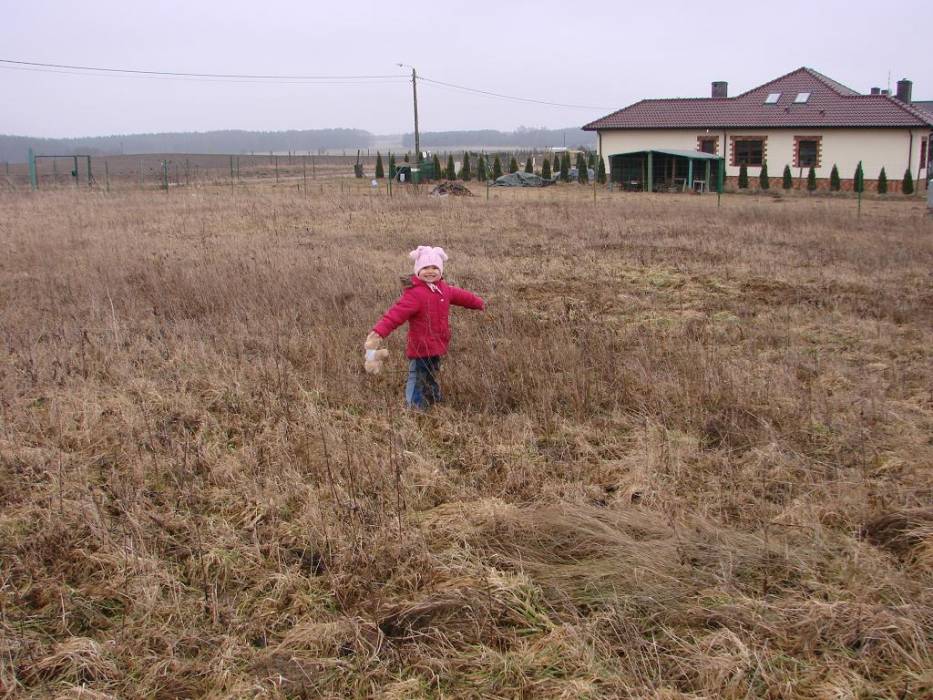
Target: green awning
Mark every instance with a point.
(694, 155)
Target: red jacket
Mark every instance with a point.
(427, 314)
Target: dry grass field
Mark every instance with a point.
(685, 454)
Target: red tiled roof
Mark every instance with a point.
(924, 106)
(831, 104)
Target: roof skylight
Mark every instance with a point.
(772, 98)
(801, 98)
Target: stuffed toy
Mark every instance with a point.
(375, 355)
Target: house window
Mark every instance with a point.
(772, 98)
(807, 151)
(748, 151)
(802, 98)
(924, 147)
(708, 144)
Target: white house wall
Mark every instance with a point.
(844, 147)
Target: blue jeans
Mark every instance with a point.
(422, 390)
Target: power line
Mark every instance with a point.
(66, 69)
(197, 75)
(232, 81)
(506, 97)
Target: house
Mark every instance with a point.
(803, 119)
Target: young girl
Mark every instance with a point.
(426, 306)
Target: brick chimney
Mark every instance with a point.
(904, 89)
(876, 91)
(720, 88)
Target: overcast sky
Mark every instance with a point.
(600, 55)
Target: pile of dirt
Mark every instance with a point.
(457, 189)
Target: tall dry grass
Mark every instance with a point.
(686, 453)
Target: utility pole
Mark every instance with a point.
(414, 93)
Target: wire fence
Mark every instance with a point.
(156, 170)
(170, 170)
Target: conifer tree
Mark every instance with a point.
(591, 160)
(907, 185)
(583, 176)
(763, 180)
(513, 165)
(858, 182)
(496, 168)
(743, 177)
(406, 158)
(601, 172)
(451, 170)
(380, 171)
(835, 184)
(438, 173)
(787, 180)
(882, 182)
(811, 180)
(391, 166)
(465, 173)
(565, 167)
(546, 169)
(528, 168)
(481, 173)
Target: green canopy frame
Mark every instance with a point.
(640, 170)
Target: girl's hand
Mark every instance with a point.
(373, 341)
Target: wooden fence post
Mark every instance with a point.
(929, 194)
(33, 176)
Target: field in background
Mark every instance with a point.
(685, 453)
(121, 172)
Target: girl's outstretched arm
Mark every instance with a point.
(468, 300)
(401, 311)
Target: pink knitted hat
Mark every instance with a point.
(425, 255)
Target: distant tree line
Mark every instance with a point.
(13, 149)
